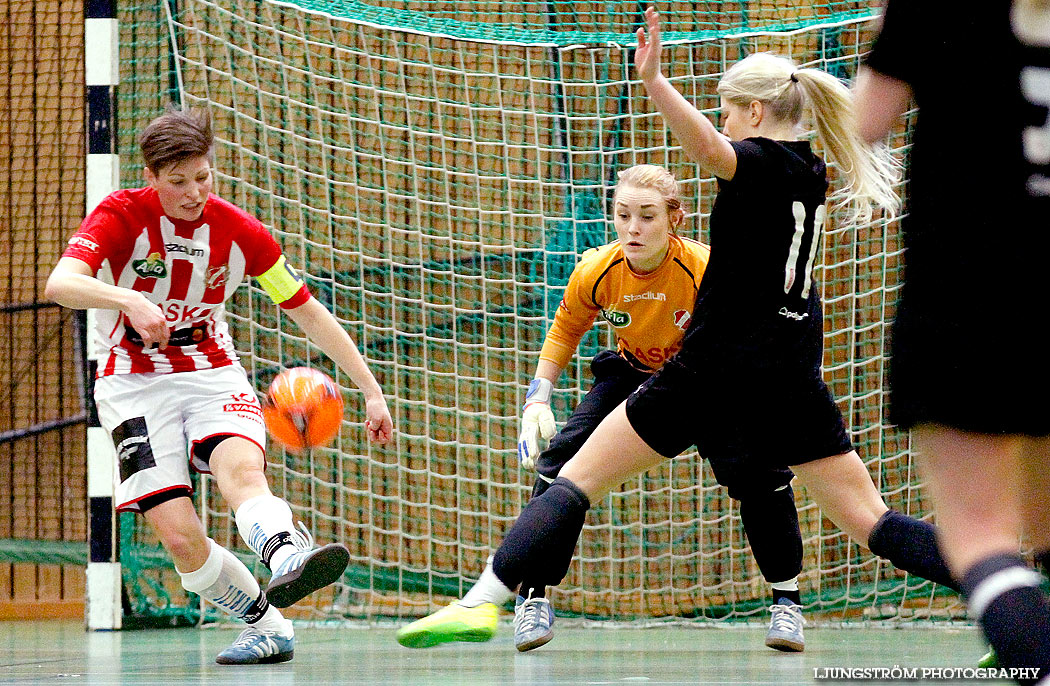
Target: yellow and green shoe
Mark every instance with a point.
(451, 623)
(990, 659)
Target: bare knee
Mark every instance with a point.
(841, 485)
(181, 533)
(187, 547)
(238, 466)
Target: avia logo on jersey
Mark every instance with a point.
(84, 243)
(184, 249)
(648, 295)
(152, 267)
(617, 319)
(681, 318)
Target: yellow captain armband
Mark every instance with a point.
(280, 281)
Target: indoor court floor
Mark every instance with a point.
(60, 652)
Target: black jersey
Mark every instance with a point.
(965, 348)
(758, 306)
(756, 343)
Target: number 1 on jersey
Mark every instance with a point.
(792, 268)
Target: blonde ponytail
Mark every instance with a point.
(871, 173)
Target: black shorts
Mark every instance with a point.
(979, 368)
(758, 421)
(614, 380)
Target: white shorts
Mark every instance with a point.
(157, 420)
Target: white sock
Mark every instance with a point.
(488, 589)
(789, 585)
(224, 581)
(265, 524)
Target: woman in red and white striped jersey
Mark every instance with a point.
(158, 263)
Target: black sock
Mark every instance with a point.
(771, 525)
(542, 540)
(1004, 596)
(530, 584)
(910, 545)
(257, 609)
(532, 589)
(540, 487)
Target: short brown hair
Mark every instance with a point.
(174, 136)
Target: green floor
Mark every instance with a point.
(63, 653)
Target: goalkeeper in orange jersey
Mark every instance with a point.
(644, 285)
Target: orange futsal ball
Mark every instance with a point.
(302, 408)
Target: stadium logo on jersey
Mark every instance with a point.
(681, 318)
(617, 319)
(215, 277)
(84, 243)
(152, 267)
(184, 249)
(648, 295)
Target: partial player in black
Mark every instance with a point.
(968, 373)
(755, 344)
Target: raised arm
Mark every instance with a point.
(879, 100)
(699, 138)
(325, 332)
(73, 284)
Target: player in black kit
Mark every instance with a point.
(969, 374)
(747, 382)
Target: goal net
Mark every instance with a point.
(435, 169)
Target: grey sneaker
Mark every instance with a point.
(785, 629)
(533, 619)
(257, 647)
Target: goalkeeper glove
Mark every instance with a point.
(537, 422)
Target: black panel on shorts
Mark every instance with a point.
(131, 439)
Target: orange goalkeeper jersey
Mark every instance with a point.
(649, 313)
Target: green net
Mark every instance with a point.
(436, 179)
(566, 23)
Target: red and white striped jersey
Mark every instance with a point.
(189, 269)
